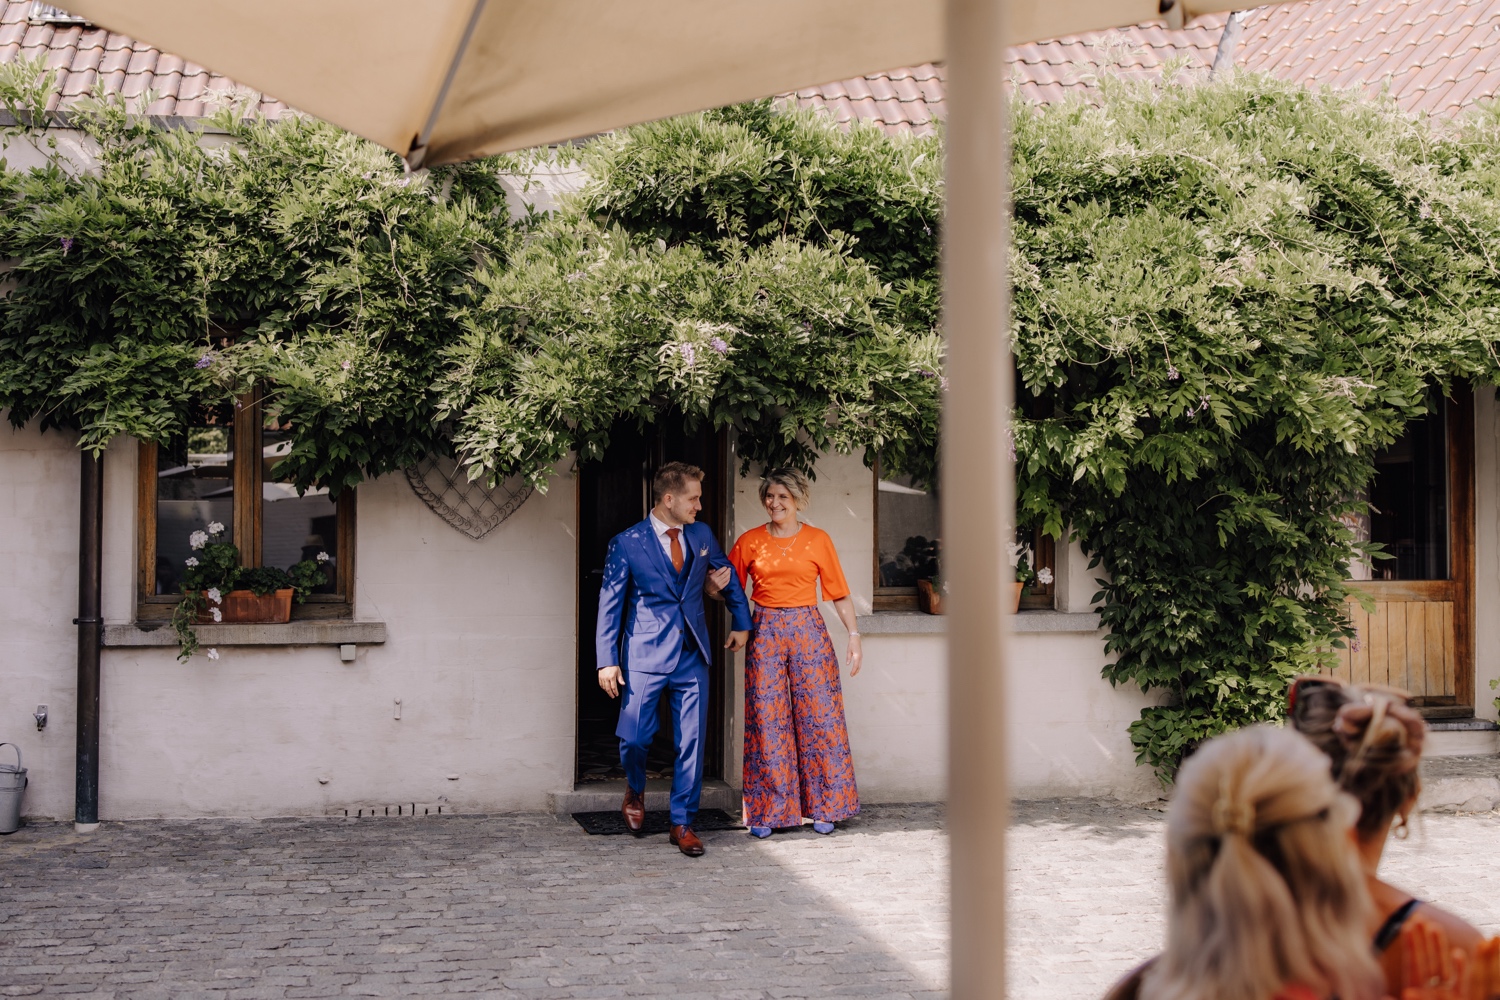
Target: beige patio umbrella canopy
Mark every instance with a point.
(445, 80)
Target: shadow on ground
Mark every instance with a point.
(1101, 818)
(526, 905)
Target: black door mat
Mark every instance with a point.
(610, 824)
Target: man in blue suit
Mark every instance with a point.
(653, 640)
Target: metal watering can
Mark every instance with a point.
(12, 785)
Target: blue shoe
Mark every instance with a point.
(761, 832)
(821, 827)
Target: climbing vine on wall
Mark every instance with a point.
(1227, 299)
(386, 315)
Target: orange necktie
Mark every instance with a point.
(672, 533)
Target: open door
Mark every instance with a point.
(613, 494)
(1421, 634)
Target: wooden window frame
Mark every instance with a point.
(1042, 597)
(248, 512)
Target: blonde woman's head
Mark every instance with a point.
(1266, 888)
(783, 492)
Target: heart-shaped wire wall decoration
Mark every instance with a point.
(467, 505)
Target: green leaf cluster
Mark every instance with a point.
(382, 316)
(1227, 299)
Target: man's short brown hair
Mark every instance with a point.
(672, 477)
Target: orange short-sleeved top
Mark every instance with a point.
(785, 571)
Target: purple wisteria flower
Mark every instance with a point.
(1172, 373)
(347, 365)
(206, 360)
(67, 244)
(718, 344)
(688, 354)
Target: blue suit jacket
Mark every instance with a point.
(643, 593)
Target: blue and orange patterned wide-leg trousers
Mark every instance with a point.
(797, 761)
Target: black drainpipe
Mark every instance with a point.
(90, 640)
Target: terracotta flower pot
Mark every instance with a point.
(241, 607)
(1015, 604)
(929, 598)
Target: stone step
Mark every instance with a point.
(1468, 783)
(1469, 737)
(605, 796)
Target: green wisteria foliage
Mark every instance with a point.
(1227, 299)
(386, 315)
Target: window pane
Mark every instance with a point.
(194, 486)
(294, 527)
(910, 532)
(1409, 501)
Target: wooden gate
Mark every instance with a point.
(1420, 634)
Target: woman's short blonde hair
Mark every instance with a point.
(795, 482)
(1266, 888)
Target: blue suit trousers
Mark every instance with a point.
(687, 687)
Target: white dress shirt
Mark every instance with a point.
(661, 527)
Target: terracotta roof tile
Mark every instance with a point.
(142, 62)
(1439, 56)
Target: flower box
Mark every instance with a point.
(247, 608)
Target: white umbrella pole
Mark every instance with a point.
(977, 488)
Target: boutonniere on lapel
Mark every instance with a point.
(703, 552)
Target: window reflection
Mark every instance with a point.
(294, 527)
(910, 532)
(1409, 501)
(194, 487)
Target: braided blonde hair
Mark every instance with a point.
(1374, 740)
(1266, 888)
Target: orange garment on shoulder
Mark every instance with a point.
(785, 571)
(1296, 991)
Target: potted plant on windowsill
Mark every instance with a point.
(1023, 561)
(217, 589)
(930, 593)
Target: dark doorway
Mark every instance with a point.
(614, 493)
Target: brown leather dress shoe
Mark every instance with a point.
(686, 841)
(633, 809)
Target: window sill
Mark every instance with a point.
(915, 622)
(330, 632)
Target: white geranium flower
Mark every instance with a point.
(1044, 575)
(214, 527)
(323, 557)
(192, 561)
(212, 654)
(198, 539)
(218, 615)
(215, 596)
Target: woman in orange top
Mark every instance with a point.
(797, 761)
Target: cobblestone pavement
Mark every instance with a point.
(424, 907)
(532, 907)
(1087, 897)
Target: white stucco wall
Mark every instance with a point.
(38, 599)
(480, 653)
